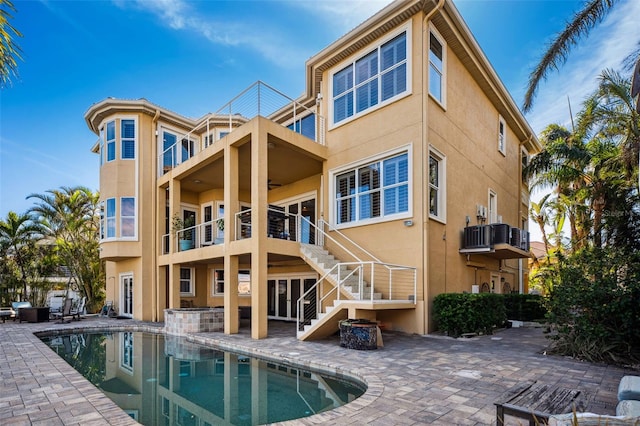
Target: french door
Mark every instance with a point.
(306, 209)
(283, 295)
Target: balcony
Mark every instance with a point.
(497, 240)
(280, 225)
(259, 99)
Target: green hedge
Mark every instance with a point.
(524, 307)
(459, 313)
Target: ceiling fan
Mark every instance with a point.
(271, 185)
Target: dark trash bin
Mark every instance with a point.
(360, 334)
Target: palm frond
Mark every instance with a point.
(558, 51)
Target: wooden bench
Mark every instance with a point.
(536, 402)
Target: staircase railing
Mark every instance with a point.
(392, 282)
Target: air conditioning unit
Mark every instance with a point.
(500, 233)
(516, 237)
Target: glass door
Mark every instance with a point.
(306, 209)
(283, 294)
(126, 295)
(207, 228)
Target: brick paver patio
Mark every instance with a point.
(412, 380)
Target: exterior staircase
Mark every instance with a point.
(344, 275)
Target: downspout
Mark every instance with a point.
(424, 168)
(154, 201)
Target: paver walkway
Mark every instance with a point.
(413, 380)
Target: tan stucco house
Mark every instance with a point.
(396, 177)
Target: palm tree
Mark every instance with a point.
(69, 215)
(588, 166)
(593, 12)
(9, 50)
(17, 238)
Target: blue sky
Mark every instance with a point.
(194, 56)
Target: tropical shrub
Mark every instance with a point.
(460, 313)
(594, 306)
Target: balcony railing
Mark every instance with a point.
(280, 225)
(259, 99)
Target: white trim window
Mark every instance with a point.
(244, 282)
(377, 78)
(437, 67)
(128, 139)
(524, 157)
(111, 217)
(111, 140)
(103, 227)
(373, 192)
(437, 185)
(502, 136)
(186, 282)
(128, 217)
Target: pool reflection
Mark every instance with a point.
(165, 380)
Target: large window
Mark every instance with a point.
(186, 282)
(111, 218)
(371, 80)
(376, 190)
(128, 217)
(437, 204)
(111, 141)
(437, 53)
(244, 282)
(128, 139)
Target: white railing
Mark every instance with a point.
(259, 99)
(374, 279)
(280, 225)
(197, 236)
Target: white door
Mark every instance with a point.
(126, 295)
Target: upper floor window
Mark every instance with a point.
(437, 175)
(371, 80)
(128, 217)
(111, 218)
(111, 141)
(437, 60)
(379, 189)
(128, 139)
(502, 138)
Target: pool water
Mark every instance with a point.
(165, 380)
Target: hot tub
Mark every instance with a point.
(193, 320)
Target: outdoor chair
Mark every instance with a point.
(7, 313)
(78, 310)
(66, 311)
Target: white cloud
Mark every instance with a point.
(606, 47)
(342, 15)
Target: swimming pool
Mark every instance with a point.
(165, 380)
